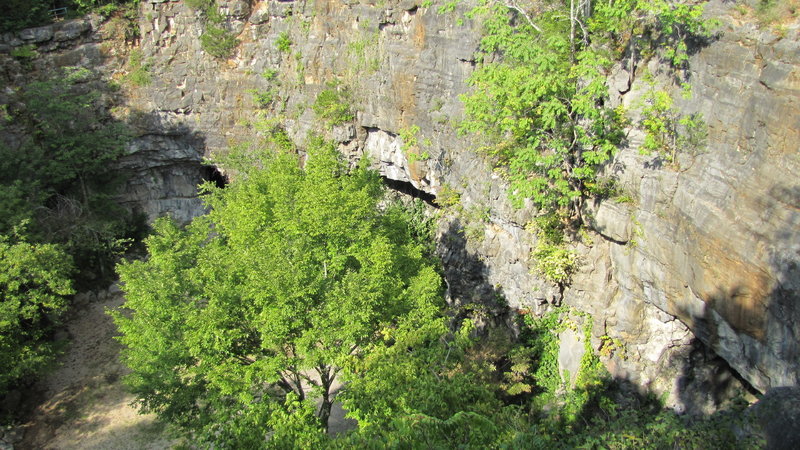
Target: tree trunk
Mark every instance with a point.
(325, 411)
(327, 402)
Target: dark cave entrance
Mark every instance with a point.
(404, 187)
(212, 174)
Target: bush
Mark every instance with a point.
(34, 284)
(25, 53)
(554, 262)
(138, 71)
(331, 106)
(218, 42)
(283, 43)
(61, 177)
(540, 89)
(19, 14)
(666, 131)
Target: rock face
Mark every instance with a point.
(702, 261)
(776, 418)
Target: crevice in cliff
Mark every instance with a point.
(404, 187)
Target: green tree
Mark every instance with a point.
(541, 96)
(425, 386)
(58, 171)
(242, 320)
(540, 104)
(20, 14)
(34, 284)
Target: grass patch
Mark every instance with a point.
(138, 70)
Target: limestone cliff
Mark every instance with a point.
(702, 261)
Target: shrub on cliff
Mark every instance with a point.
(541, 93)
(332, 106)
(218, 42)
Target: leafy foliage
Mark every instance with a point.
(284, 43)
(424, 371)
(666, 131)
(263, 99)
(551, 258)
(138, 69)
(218, 42)
(540, 92)
(555, 262)
(409, 136)
(215, 40)
(25, 53)
(539, 106)
(770, 12)
(293, 273)
(58, 175)
(34, 283)
(447, 196)
(20, 14)
(331, 105)
(59, 226)
(442, 392)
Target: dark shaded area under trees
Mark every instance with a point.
(61, 229)
(19, 14)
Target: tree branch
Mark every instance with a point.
(512, 4)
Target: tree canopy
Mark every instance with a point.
(34, 283)
(57, 167)
(251, 312)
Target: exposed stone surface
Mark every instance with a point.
(570, 352)
(59, 35)
(718, 241)
(705, 252)
(777, 418)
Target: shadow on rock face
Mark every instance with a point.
(468, 285)
(776, 417)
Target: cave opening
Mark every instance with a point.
(406, 188)
(214, 175)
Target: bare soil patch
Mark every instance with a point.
(82, 404)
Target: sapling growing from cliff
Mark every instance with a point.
(215, 40)
(332, 105)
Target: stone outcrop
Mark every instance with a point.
(701, 261)
(776, 418)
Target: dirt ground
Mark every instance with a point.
(82, 404)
